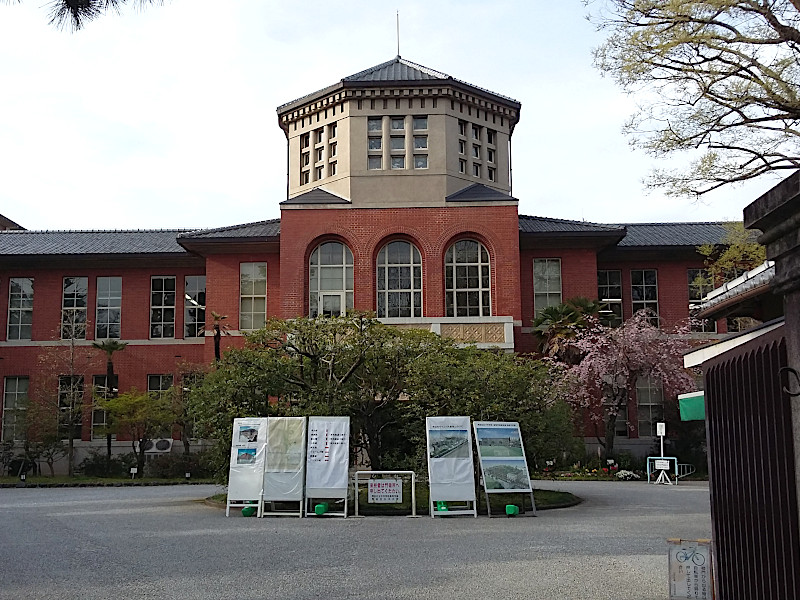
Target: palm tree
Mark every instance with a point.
(556, 325)
(109, 347)
(218, 328)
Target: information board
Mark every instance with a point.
(502, 457)
(285, 459)
(247, 458)
(690, 570)
(385, 491)
(327, 457)
(450, 464)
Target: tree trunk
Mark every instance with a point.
(611, 432)
(217, 338)
(110, 393)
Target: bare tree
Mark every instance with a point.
(726, 77)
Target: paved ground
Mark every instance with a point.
(160, 542)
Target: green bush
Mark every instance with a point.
(171, 466)
(98, 465)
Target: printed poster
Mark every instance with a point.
(450, 466)
(327, 457)
(285, 459)
(247, 458)
(502, 457)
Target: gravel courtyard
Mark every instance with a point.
(164, 542)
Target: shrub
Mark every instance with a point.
(171, 466)
(96, 464)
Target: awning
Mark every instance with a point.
(692, 406)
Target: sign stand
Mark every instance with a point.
(662, 463)
(246, 474)
(357, 478)
(284, 466)
(327, 463)
(504, 468)
(451, 470)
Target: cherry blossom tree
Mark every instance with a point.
(615, 357)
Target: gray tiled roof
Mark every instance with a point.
(258, 229)
(529, 224)
(397, 70)
(27, 243)
(673, 234)
(317, 196)
(477, 192)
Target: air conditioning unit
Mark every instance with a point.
(155, 446)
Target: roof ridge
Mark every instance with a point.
(556, 220)
(24, 231)
(230, 227)
(680, 223)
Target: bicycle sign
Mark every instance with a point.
(690, 570)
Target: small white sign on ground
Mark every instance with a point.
(385, 491)
(690, 570)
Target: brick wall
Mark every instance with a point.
(432, 230)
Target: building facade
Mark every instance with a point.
(398, 202)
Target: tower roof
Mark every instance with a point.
(394, 72)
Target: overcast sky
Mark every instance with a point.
(165, 118)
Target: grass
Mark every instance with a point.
(545, 499)
(80, 480)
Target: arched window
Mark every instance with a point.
(330, 273)
(467, 280)
(399, 280)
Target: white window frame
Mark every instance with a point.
(612, 301)
(20, 309)
(386, 271)
(252, 295)
(456, 270)
(13, 408)
(164, 305)
(699, 291)
(317, 269)
(107, 303)
(74, 307)
(643, 303)
(194, 311)
(549, 292)
(650, 403)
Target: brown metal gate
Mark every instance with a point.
(752, 472)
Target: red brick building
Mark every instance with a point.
(398, 202)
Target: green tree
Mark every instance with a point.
(555, 327)
(726, 77)
(141, 416)
(738, 253)
(75, 14)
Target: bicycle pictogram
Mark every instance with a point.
(685, 554)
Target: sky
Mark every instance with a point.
(165, 117)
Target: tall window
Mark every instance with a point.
(102, 390)
(467, 280)
(162, 307)
(650, 399)
(644, 292)
(70, 406)
(74, 300)
(399, 280)
(330, 273)
(700, 284)
(546, 283)
(194, 306)
(15, 396)
(158, 384)
(109, 308)
(252, 295)
(20, 308)
(609, 292)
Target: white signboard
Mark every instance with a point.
(385, 491)
(502, 457)
(690, 570)
(662, 465)
(285, 459)
(327, 457)
(450, 466)
(661, 429)
(247, 458)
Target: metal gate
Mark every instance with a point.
(752, 473)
